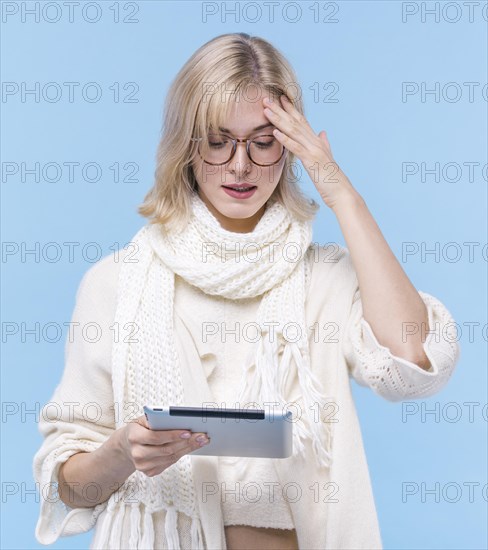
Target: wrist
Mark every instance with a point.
(113, 451)
(347, 201)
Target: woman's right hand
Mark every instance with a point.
(152, 451)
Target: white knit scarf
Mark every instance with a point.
(269, 261)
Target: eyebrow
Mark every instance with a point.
(255, 129)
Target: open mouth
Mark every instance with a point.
(241, 189)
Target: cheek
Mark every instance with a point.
(272, 175)
(207, 175)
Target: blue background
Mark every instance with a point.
(368, 53)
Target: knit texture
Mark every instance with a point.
(349, 521)
(269, 261)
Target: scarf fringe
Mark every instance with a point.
(103, 536)
(197, 534)
(171, 528)
(135, 525)
(263, 381)
(147, 540)
(115, 537)
(312, 397)
(110, 535)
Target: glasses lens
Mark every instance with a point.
(217, 149)
(265, 149)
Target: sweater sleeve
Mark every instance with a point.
(80, 415)
(395, 378)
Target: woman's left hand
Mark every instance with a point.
(296, 134)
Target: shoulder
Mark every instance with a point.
(332, 275)
(99, 282)
(330, 260)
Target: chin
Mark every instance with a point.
(239, 212)
(234, 210)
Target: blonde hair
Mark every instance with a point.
(197, 101)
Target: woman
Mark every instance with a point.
(213, 258)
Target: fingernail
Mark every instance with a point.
(185, 435)
(201, 438)
(203, 442)
(269, 100)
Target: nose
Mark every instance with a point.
(240, 162)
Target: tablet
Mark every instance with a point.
(232, 432)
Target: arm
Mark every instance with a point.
(393, 377)
(106, 467)
(133, 447)
(388, 296)
(65, 429)
(389, 299)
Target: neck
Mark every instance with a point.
(236, 225)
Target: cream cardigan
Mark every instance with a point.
(226, 339)
(331, 508)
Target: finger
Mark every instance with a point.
(279, 110)
(160, 437)
(288, 143)
(290, 108)
(286, 105)
(298, 128)
(141, 420)
(152, 452)
(182, 452)
(189, 445)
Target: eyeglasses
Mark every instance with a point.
(263, 150)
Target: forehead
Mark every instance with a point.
(239, 114)
(266, 127)
(244, 117)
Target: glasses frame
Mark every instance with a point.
(235, 141)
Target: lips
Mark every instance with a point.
(236, 194)
(240, 186)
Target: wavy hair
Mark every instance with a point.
(199, 99)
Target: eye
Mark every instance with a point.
(264, 142)
(217, 141)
